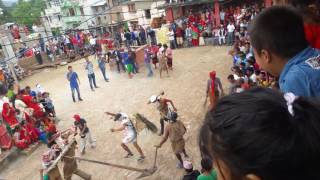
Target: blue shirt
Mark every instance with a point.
(72, 77)
(301, 75)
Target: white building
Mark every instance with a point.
(53, 16)
(138, 12)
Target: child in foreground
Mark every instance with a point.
(262, 134)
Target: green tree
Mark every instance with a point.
(28, 12)
(4, 14)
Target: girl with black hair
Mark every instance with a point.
(261, 134)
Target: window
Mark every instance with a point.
(81, 11)
(55, 3)
(131, 7)
(71, 12)
(147, 14)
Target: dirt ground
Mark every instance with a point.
(185, 86)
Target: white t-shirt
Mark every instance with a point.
(253, 78)
(230, 28)
(93, 41)
(171, 35)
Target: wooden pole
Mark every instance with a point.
(109, 164)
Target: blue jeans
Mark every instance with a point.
(173, 44)
(103, 71)
(148, 65)
(92, 80)
(78, 92)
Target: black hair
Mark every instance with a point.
(254, 133)
(280, 30)
(206, 164)
(231, 77)
(165, 46)
(160, 45)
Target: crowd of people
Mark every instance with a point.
(28, 116)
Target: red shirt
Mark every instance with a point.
(313, 34)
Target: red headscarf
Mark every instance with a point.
(212, 75)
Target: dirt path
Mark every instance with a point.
(185, 86)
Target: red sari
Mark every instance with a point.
(37, 111)
(31, 132)
(5, 139)
(9, 115)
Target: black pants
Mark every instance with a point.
(119, 63)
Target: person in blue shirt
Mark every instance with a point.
(102, 66)
(280, 47)
(119, 59)
(74, 83)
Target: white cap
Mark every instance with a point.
(153, 98)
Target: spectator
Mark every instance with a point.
(231, 30)
(49, 53)
(127, 36)
(179, 36)
(169, 56)
(147, 61)
(208, 173)
(250, 133)
(119, 60)
(128, 61)
(283, 51)
(172, 40)
(37, 53)
(190, 173)
(102, 66)
(222, 35)
(188, 36)
(91, 75)
(233, 84)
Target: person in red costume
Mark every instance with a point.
(5, 139)
(30, 131)
(20, 138)
(33, 104)
(9, 115)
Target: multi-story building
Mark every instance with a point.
(134, 13)
(52, 16)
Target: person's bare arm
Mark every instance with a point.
(118, 129)
(171, 102)
(110, 114)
